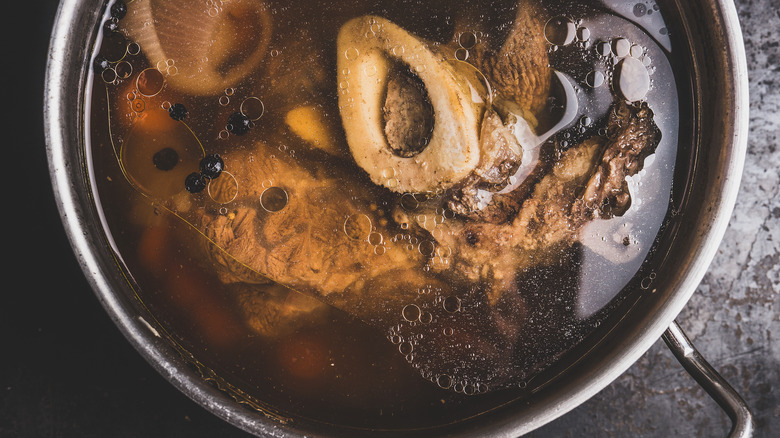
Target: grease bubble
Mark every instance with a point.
(560, 31)
(273, 199)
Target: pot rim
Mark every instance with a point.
(62, 124)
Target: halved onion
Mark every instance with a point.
(203, 50)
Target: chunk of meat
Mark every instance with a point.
(518, 70)
(579, 187)
(518, 74)
(501, 156)
(329, 240)
(274, 310)
(633, 136)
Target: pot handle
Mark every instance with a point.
(742, 425)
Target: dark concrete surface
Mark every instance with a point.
(65, 370)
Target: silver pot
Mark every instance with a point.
(719, 109)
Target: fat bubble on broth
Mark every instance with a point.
(433, 199)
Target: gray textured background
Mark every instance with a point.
(734, 317)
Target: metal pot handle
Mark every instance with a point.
(742, 425)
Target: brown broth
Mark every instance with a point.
(335, 365)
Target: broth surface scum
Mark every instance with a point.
(326, 288)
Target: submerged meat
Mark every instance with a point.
(501, 156)
(588, 181)
(324, 236)
(518, 73)
(518, 68)
(633, 136)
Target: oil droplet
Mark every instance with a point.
(603, 48)
(461, 54)
(133, 48)
(444, 381)
(375, 238)
(636, 51)
(467, 40)
(224, 100)
(124, 69)
(633, 80)
(448, 331)
(444, 251)
(138, 105)
(426, 248)
(405, 348)
(426, 317)
(560, 31)
(380, 249)
(621, 47)
(224, 189)
(640, 9)
(108, 75)
(411, 312)
(583, 34)
(451, 304)
(351, 53)
(273, 199)
(595, 79)
(150, 82)
(409, 202)
(253, 108)
(357, 227)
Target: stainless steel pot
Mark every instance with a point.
(719, 110)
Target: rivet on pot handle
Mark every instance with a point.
(712, 382)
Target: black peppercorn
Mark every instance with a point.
(178, 111)
(238, 124)
(195, 182)
(101, 64)
(119, 10)
(211, 166)
(110, 26)
(165, 159)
